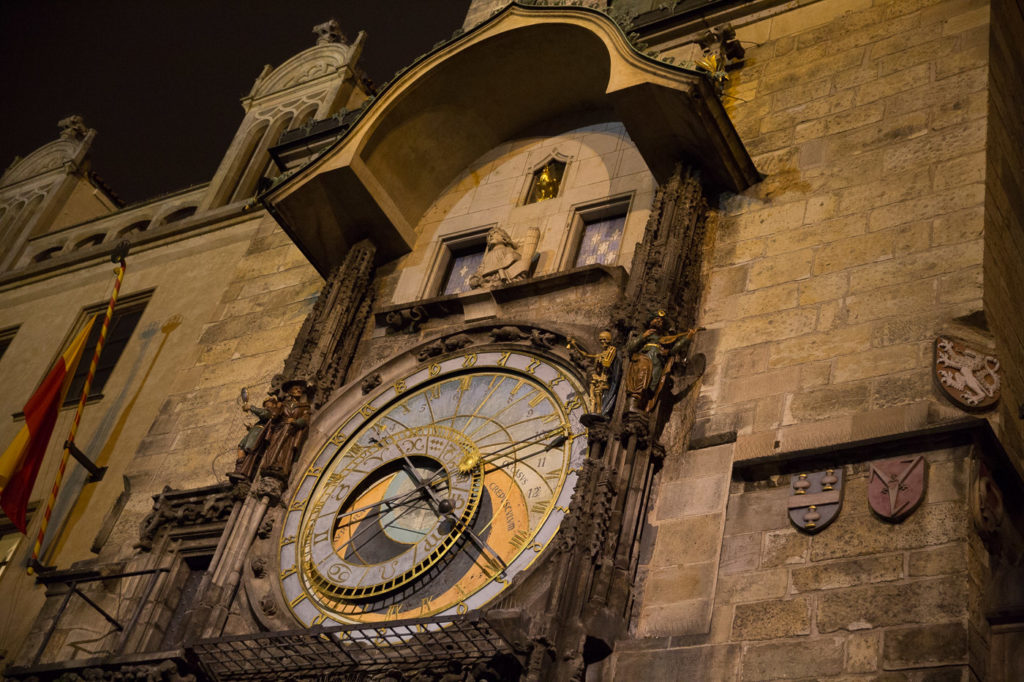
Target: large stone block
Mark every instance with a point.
(740, 553)
(757, 510)
(781, 325)
(694, 663)
(829, 402)
(824, 288)
(890, 301)
(771, 619)
(847, 253)
(819, 346)
(873, 606)
(943, 560)
(760, 385)
(876, 362)
(767, 300)
(689, 540)
(695, 463)
(789, 267)
(838, 574)
(926, 645)
(692, 496)
(680, 583)
(753, 586)
(785, 660)
(690, 617)
(915, 267)
(784, 548)
(862, 651)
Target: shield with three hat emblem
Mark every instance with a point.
(816, 499)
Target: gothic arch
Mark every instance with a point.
(522, 69)
(316, 62)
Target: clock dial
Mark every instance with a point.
(431, 496)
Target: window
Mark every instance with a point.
(126, 316)
(546, 181)
(595, 235)
(455, 261)
(194, 568)
(10, 538)
(138, 226)
(46, 254)
(8, 545)
(91, 240)
(462, 264)
(6, 336)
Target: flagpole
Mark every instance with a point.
(118, 257)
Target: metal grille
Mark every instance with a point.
(350, 652)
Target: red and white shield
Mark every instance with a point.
(897, 486)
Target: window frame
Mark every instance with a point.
(7, 338)
(448, 246)
(581, 216)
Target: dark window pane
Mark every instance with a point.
(600, 241)
(5, 340)
(460, 269)
(122, 324)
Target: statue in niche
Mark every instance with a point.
(652, 355)
(546, 182)
(504, 260)
(604, 380)
(254, 444)
(287, 431)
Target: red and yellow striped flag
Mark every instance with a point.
(19, 465)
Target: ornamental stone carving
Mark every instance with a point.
(505, 260)
(970, 378)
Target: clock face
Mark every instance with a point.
(436, 492)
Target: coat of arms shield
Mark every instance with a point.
(970, 378)
(896, 486)
(816, 499)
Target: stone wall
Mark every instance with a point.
(861, 597)
(827, 285)
(224, 310)
(1004, 210)
(831, 278)
(270, 290)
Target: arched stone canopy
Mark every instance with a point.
(517, 72)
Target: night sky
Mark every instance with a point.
(161, 81)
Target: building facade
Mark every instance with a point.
(607, 341)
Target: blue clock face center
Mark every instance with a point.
(415, 514)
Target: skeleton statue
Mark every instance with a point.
(604, 380)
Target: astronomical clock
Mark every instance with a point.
(428, 495)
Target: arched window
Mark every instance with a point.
(91, 240)
(135, 228)
(46, 254)
(180, 214)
